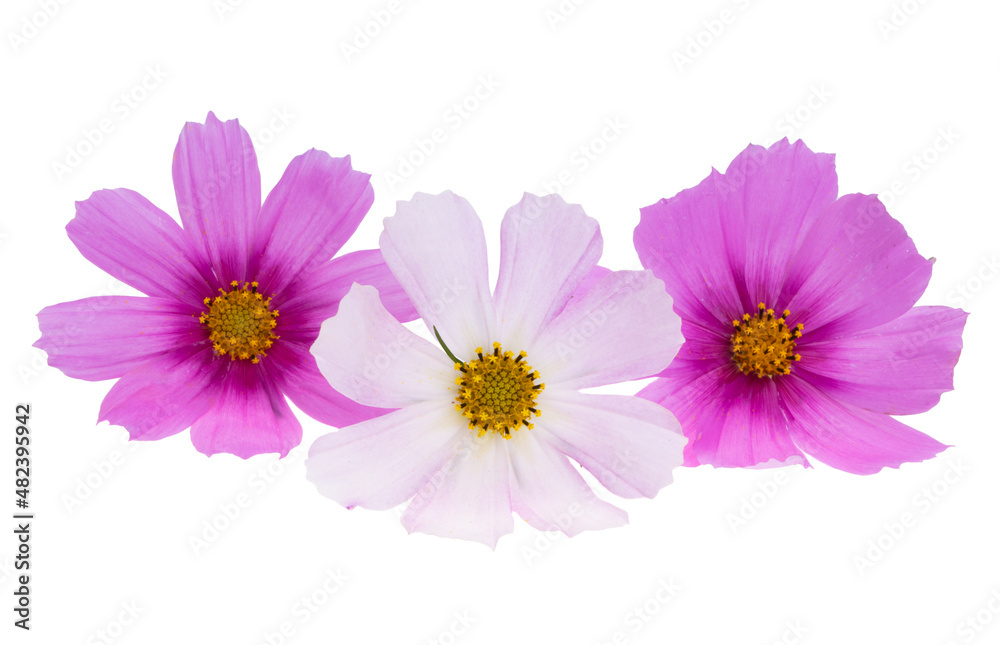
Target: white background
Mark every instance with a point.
(834, 74)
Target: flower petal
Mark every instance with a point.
(381, 463)
(703, 349)
(121, 232)
(217, 183)
(164, 395)
(589, 282)
(106, 336)
(436, 248)
(472, 500)
(547, 248)
(848, 438)
(308, 216)
(548, 493)
(623, 329)
(250, 417)
(724, 245)
(370, 357)
(630, 445)
(768, 200)
(298, 377)
(316, 295)
(682, 241)
(857, 269)
(900, 367)
(731, 419)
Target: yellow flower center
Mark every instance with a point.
(497, 391)
(764, 344)
(241, 322)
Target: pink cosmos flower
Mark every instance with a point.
(491, 427)
(236, 296)
(797, 307)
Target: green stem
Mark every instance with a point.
(445, 347)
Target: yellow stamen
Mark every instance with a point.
(497, 392)
(764, 344)
(240, 322)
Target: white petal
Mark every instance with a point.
(629, 444)
(436, 248)
(471, 498)
(369, 357)
(383, 462)
(547, 247)
(621, 330)
(548, 492)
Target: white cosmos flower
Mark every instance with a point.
(472, 441)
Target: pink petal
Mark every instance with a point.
(218, 192)
(704, 348)
(105, 337)
(308, 216)
(857, 269)
(547, 247)
(769, 199)
(436, 248)
(164, 395)
(121, 232)
(249, 417)
(900, 367)
(681, 241)
(849, 438)
(471, 500)
(316, 295)
(623, 329)
(724, 245)
(383, 462)
(703, 351)
(590, 281)
(298, 377)
(550, 495)
(630, 445)
(731, 419)
(369, 356)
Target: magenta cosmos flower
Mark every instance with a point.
(491, 427)
(797, 307)
(236, 296)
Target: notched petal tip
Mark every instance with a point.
(420, 198)
(548, 197)
(211, 120)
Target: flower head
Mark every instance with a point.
(490, 426)
(236, 296)
(797, 307)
